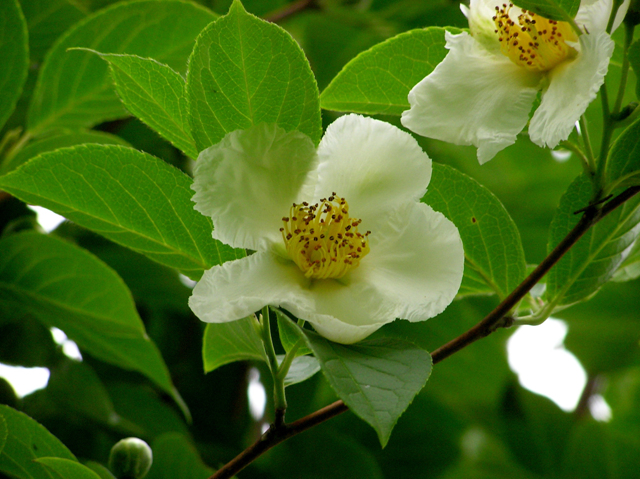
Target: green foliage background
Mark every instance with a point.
(472, 420)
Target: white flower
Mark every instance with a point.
(481, 94)
(345, 281)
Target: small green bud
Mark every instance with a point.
(130, 458)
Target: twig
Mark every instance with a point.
(494, 320)
(289, 10)
(275, 435)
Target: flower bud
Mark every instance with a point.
(130, 458)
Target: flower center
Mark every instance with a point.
(322, 239)
(535, 42)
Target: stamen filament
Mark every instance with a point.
(322, 239)
(534, 42)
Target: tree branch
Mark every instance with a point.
(289, 10)
(494, 320)
(275, 435)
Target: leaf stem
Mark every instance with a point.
(279, 397)
(584, 132)
(288, 359)
(607, 133)
(624, 74)
(536, 318)
(13, 143)
(572, 147)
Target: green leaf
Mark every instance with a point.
(535, 429)
(472, 383)
(289, 334)
(244, 71)
(68, 288)
(225, 343)
(301, 369)
(154, 93)
(76, 387)
(128, 196)
(174, 456)
(25, 341)
(154, 287)
(629, 269)
(608, 322)
(26, 440)
(74, 89)
(327, 454)
(4, 431)
(376, 378)
(594, 450)
(47, 20)
(634, 60)
(331, 41)
(494, 257)
(563, 10)
(593, 260)
(59, 141)
(67, 468)
(623, 164)
(378, 80)
(14, 56)
(100, 470)
(148, 410)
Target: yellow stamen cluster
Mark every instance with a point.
(535, 42)
(322, 239)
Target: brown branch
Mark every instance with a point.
(274, 436)
(290, 10)
(494, 320)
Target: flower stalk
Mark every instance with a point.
(624, 74)
(279, 396)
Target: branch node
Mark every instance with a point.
(592, 206)
(278, 422)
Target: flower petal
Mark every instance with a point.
(481, 25)
(344, 313)
(416, 263)
(473, 97)
(372, 164)
(340, 312)
(335, 330)
(248, 181)
(236, 289)
(572, 86)
(593, 15)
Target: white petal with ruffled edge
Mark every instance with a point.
(238, 288)
(572, 86)
(473, 97)
(480, 14)
(416, 262)
(248, 181)
(344, 312)
(593, 15)
(372, 164)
